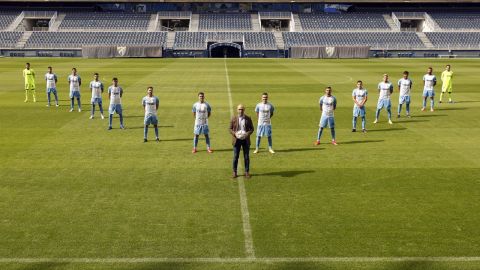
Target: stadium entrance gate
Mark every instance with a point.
(223, 49)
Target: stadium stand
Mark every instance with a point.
(225, 22)
(457, 21)
(260, 41)
(6, 18)
(275, 15)
(9, 39)
(77, 39)
(448, 40)
(377, 40)
(105, 20)
(346, 21)
(199, 40)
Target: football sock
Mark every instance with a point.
(121, 119)
(332, 130)
(101, 108)
(354, 122)
(145, 131)
(56, 98)
(399, 108)
(93, 109)
(110, 120)
(377, 113)
(78, 103)
(407, 107)
(207, 140)
(441, 96)
(432, 103)
(364, 121)
(270, 141)
(320, 131)
(389, 111)
(195, 141)
(71, 103)
(424, 103)
(48, 98)
(257, 144)
(156, 131)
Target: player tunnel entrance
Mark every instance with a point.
(225, 50)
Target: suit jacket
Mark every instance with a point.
(234, 127)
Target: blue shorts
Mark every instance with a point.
(387, 103)
(75, 94)
(359, 111)
(404, 99)
(201, 129)
(96, 100)
(115, 108)
(264, 130)
(52, 90)
(327, 120)
(428, 93)
(150, 119)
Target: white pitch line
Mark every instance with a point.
(242, 260)
(247, 229)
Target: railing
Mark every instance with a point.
(40, 28)
(53, 19)
(396, 21)
(409, 15)
(39, 14)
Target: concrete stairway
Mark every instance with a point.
(279, 40)
(153, 24)
(54, 27)
(391, 23)
(14, 25)
(23, 40)
(170, 40)
(256, 25)
(425, 40)
(297, 26)
(194, 21)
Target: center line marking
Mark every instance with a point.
(247, 229)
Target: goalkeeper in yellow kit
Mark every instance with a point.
(29, 75)
(447, 77)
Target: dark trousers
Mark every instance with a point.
(246, 154)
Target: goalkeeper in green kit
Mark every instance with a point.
(29, 75)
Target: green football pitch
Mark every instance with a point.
(74, 195)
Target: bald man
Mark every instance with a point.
(241, 127)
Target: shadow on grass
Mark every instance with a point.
(298, 149)
(400, 121)
(150, 127)
(43, 266)
(467, 101)
(134, 116)
(452, 109)
(283, 173)
(388, 129)
(428, 115)
(362, 141)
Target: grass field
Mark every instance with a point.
(76, 196)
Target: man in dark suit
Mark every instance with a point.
(241, 127)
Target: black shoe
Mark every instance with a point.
(354, 130)
(145, 140)
(109, 128)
